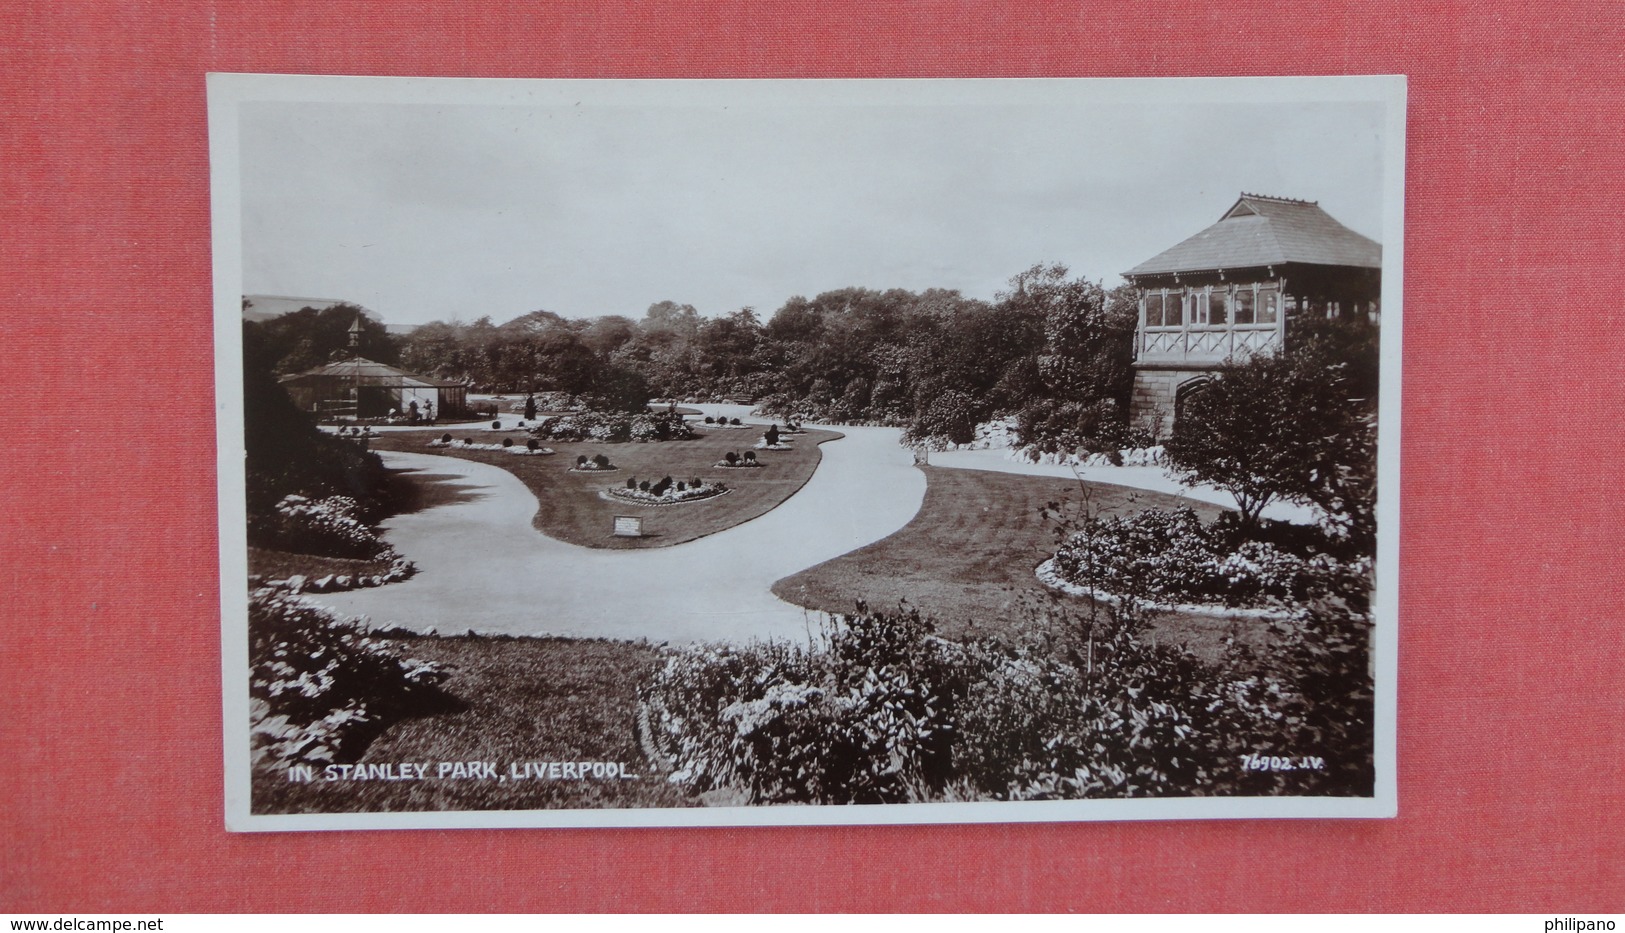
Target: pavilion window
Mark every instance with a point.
(1243, 304)
(1269, 305)
(1218, 306)
(1162, 308)
(1196, 307)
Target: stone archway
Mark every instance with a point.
(1188, 390)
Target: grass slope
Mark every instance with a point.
(520, 699)
(967, 558)
(571, 509)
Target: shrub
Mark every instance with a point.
(581, 460)
(507, 442)
(750, 456)
(533, 444)
(445, 438)
(772, 435)
(883, 711)
(681, 486)
(496, 425)
(856, 722)
(601, 461)
(644, 485)
(710, 420)
(694, 482)
(731, 457)
(631, 482)
(951, 416)
(1284, 426)
(319, 687)
(330, 527)
(1061, 426)
(735, 422)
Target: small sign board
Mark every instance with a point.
(628, 526)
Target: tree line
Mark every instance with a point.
(1053, 346)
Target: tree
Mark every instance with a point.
(306, 338)
(285, 454)
(1281, 426)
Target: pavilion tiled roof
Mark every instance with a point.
(365, 372)
(1266, 231)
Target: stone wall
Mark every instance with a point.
(1151, 404)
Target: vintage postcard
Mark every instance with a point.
(658, 453)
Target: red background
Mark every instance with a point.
(1512, 686)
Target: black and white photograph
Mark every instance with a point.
(635, 453)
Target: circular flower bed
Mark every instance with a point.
(595, 464)
(734, 461)
(531, 448)
(664, 492)
(1171, 560)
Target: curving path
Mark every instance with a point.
(482, 566)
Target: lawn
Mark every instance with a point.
(967, 559)
(512, 700)
(571, 509)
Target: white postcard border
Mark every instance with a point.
(228, 92)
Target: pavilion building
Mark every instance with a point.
(1235, 289)
(360, 388)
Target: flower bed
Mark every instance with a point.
(614, 427)
(530, 448)
(664, 492)
(733, 461)
(596, 464)
(1128, 456)
(1171, 560)
(764, 445)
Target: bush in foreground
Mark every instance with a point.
(884, 711)
(320, 687)
(330, 527)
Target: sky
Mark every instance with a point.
(732, 194)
